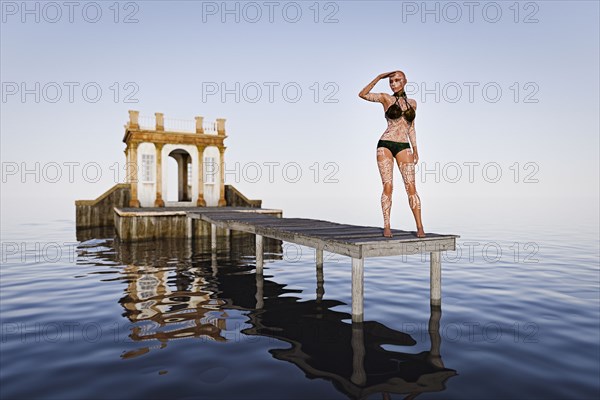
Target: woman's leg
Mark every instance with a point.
(385, 162)
(407, 169)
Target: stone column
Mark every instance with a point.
(160, 121)
(126, 151)
(134, 172)
(200, 202)
(199, 124)
(159, 202)
(187, 196)
(222, 201)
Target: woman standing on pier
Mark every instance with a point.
(400, 114)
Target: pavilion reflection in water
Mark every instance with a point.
(177, 289)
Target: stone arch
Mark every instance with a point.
(186, 157)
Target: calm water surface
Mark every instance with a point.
(90, 317)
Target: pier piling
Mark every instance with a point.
(435, 278)
(357, 289)
(259, 254)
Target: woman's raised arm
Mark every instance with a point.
(365, 93)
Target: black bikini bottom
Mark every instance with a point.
(395, 147)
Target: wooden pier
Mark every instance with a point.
(357, 242)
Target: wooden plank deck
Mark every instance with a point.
(357, 242)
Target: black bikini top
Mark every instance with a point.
(395, 111)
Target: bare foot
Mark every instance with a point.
(420, 232)
(387, 232)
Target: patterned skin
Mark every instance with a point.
(398, 130)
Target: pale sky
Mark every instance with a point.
(502, 87)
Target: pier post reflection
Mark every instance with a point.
(435, 356)
(259, 291)
(359, 376)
